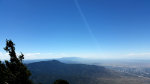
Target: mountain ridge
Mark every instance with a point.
(46, 72)
(54, 69)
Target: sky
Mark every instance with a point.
(44, 29)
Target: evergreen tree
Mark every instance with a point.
(14, 71)
(60, 81)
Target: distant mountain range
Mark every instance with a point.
(63, 59)
(73, 60)
(46, 72)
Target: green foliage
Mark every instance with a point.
(60, 81)
(14, 71)
(73, 73)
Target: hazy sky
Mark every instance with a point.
(77, 28)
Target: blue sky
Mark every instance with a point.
(78, 28)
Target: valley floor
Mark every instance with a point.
(125, 80)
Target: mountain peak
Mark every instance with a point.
(55, 61)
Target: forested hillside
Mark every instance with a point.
(48, 71)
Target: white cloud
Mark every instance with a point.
(139, 54)
(5, 56)
(144, 55)
(44, 55)
(32, 54)
(87, 55)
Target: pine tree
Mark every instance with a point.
(60, 81)
(14, 71)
